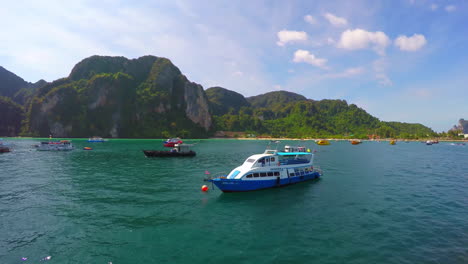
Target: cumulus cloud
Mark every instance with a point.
(287, 36)
(310, 19)
(450, 8)
(307, 57)
(335, 20)
(362, 39)
(412, 43)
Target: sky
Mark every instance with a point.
(400, 60)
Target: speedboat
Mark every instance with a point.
(62, 145)
(170, 143)
(3, 147)
(179, 150)
(268, 170)
(95, 139)
(356, 141)
(323, 142)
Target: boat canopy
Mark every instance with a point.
(292, 153)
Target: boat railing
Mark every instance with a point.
(318, 169)
(218, 175)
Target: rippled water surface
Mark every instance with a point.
(376, 203)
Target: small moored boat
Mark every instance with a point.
(356, 141)
(95, 139)
(3, 147)
(179, 150)
(170, 143)
(268, 170)
(323, 142)
(62, 145)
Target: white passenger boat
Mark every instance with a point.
(95, 139)
(62, 145)
(268, 170)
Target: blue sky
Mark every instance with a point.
(399, 60)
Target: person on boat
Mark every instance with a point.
(262, 161)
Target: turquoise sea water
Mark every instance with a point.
(376, 203)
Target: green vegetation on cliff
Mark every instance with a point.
(149, 97)
(116, 97)
(10, 118)
(223, 101)
(285, 114)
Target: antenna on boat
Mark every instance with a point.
(273, 142)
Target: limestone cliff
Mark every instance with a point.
(118, 97)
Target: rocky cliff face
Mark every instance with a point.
(117, 97)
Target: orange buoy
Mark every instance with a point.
(88, 148)
(204, 188)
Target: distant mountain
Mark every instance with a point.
(462, 126)
(118, 97)
(272, 99)
(288, 114)
(10, 83)
(223, 101)
(149, 97)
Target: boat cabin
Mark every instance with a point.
(277, 159)
(182, 148)
(294, 149)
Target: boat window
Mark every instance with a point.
(249, 176)
(291, 174)
(272, 159)
(263, 174)
(277, 173)
(270, 174)
(234, 174)
(250, 160)
(255, 175)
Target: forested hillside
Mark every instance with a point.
(149, 97)
(286, 114)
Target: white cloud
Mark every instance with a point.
(362, 39)
(310, 19)
(335, 20)
(434, 7)
(307, 57)
(287, 36)
(413, 43)
(350, 72)
(353, 71)
(450, 8)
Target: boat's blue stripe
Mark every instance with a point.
(235, 185)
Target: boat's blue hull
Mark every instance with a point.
(235, 185)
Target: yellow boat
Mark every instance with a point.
(392, 142)
(323, 142)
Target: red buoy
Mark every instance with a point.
(204, 188)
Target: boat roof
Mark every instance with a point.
(293, 153)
